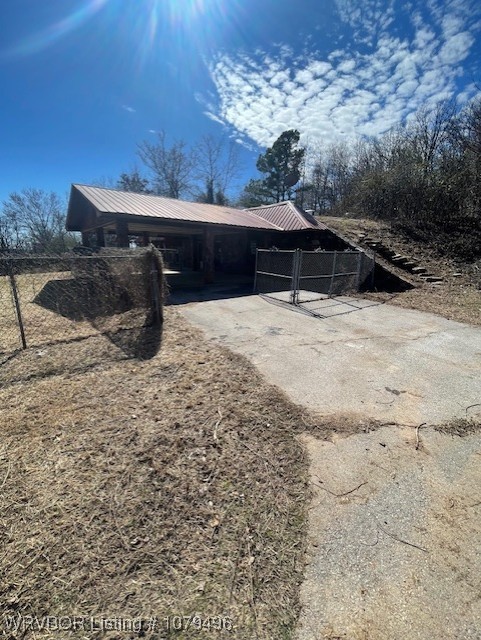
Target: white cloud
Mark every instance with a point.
(346, 93)
(126, 107)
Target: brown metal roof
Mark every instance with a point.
(112, 201)
(287, 216)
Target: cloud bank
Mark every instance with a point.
(363, 89)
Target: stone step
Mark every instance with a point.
(385, 251)
(419, 270)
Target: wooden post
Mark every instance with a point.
(208, 256)
(100, 237)
(145, 239)
(85, 239)
(189, 252)
(122, 231)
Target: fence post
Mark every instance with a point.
(331, 284)
(296, 274)
(16, 300)
(255, 273)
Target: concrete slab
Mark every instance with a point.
(355, 357)
(393, 543)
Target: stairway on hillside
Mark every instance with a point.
(399, 260)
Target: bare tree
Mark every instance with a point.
(133, 182)
(35, 220)
(172, 167)
(429, 132)
(217, 167)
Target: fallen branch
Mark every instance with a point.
(339, 495)
(417, 434)
(471, 406)
(410, 544)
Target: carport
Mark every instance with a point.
(196, 238)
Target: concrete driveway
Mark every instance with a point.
(364, 359)
(394, 525)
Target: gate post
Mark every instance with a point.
(334, 262)
(296, 273)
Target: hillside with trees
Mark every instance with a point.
(423, 177)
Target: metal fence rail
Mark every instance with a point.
(306, 276)
(50, 299)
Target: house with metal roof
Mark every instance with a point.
(199, 237)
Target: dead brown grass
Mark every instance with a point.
(134, 488)
(460, 303)
(41, 325)
(457, 298)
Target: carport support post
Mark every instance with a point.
(122, 231)
(100, 237)
(208, 257)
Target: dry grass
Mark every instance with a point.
(41, 325)
(79, 297)
(133, 488)
(457, 298)
(461, 303)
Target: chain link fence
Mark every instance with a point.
(46, 300)
(306, 276)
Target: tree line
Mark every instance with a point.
(423, 176)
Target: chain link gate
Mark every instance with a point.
(301, 277)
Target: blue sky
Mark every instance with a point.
(83, 81)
